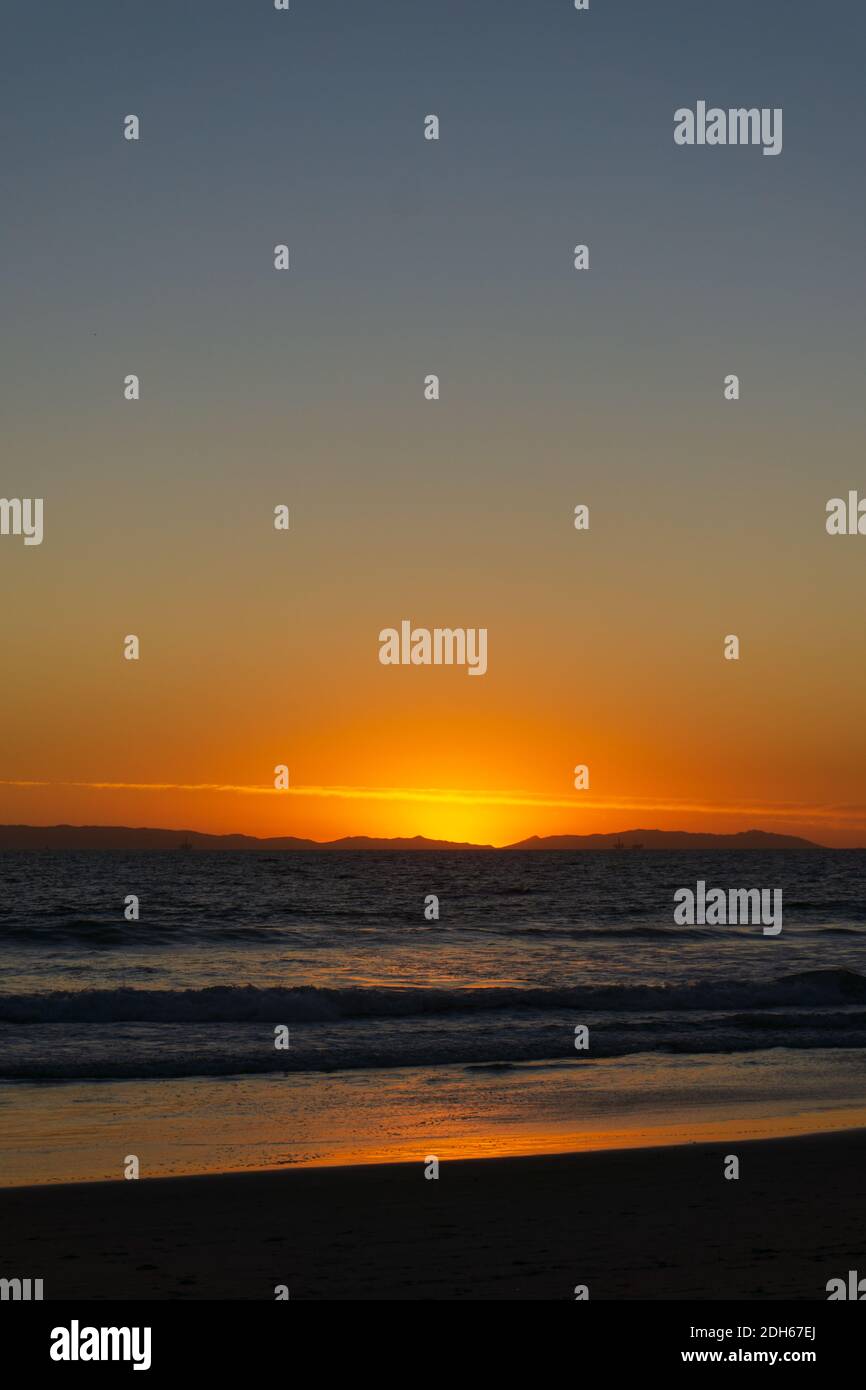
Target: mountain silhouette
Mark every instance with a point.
(122, 837)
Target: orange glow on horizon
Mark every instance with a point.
(466, 815)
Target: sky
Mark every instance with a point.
(305, 388)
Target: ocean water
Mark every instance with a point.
(459, 1031)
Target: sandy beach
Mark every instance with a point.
(638, 1224)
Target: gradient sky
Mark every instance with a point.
(305, 388)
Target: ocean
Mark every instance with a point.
(407, 1035)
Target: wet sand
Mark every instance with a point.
(632, 1224)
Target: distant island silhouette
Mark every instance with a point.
(122, 837)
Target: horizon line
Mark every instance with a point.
(183, 834)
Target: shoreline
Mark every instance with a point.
(685, 1133)
(383, 1167)
(650, 1223)
(183, 1127)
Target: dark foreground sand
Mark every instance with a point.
(649, 1224)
